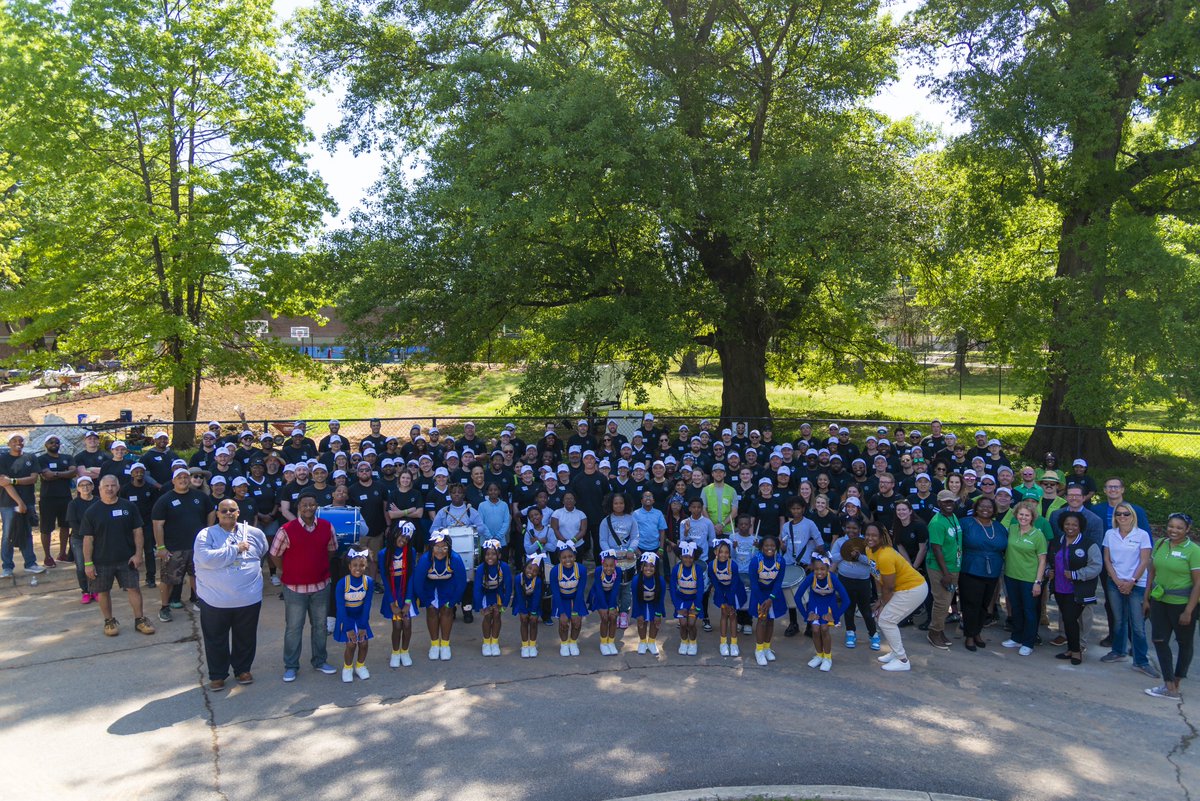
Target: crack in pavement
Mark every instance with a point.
(149, 644)
(625, 667)
(210, 714)
(1180, 748)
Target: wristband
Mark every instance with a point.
(89, 564)
(160, 547)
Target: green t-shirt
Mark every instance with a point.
(1173, 566)
(1021, 557)
(946, 532)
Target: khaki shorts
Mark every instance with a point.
(179, 565)
(124, 574)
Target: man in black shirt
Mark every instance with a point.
(590, 487)
(89, 460)
(18, 474)
(178, 516)
(158, 462)
(112, 549)
(296, 449)
(139, 492)
(369, 496)
(375, 439)
(334, 428)
(57, 470)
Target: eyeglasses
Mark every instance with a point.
(1121, 514)
(227, 511)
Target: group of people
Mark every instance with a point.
(817, 529)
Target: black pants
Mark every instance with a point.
(974, 595)
(859, 591)
(219, 626)
(337, 571)
(1164, 621)
(1071, 612)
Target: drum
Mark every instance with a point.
(792, 576)
(626, 566)
(345, 522)
(464, 541)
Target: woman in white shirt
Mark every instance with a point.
(1126, 560)
(568, 523)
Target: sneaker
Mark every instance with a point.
(724, 650)
(330, 622)
(327, 669)
(176, 604)
(275, 581)
(164, 614)
(434, 651)
(953, 617)
(898, 665)
(524, 651)
(111, 627)
(347, 674)
(394, 662)
(875, 642)
(1059, 641)
(49, 562)
(761, 658)
(245, 678)
(691, 648)
(938, 640)
(216, 685)
(1163, 692)
(532, 651)
(683, 648)
(707, 625)
(289, 674)
(1026, 651)
(653, 646)
(486, 649)
(924, 626)
(362, 672)
(36, 569)
(405, 659)
(1010, 643)
(1106, 643)
(770, 655)
(85, 598)
(548, 622)
(6, 573)
(851, 639)
(888, 657)
(747, 629)
(573, 647)
(142, 624)
(623, 620)
(564, 650)
(642, 647)
(1147, 670)
(816, 661)
(151, 584)
(1113, 656)
(62, 557)
(826, 665)
(444, 653)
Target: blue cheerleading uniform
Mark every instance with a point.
(566, 592)
(828, 597)
(766, 584)
(726, 582)
(648, 597)
(493, 585)
(439, 583)
(605, 590)
(687, 588)
(527, 595)
(396, 582)
(353, 598)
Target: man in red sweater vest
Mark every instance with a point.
(301, 552)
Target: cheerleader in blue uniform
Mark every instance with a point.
(604, 600)
(440, 580)
(687, 590)
(493, 586)
(822, 599)
(729, 593)
(649, 591)
(527, 602)
(396, 565)
(766, 596)
(567, 583)
(352, 622)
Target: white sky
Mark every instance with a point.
(350, 177)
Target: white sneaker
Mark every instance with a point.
(573, 647)
(564, 650)
(761, 658)
(444, 653)
(724, 649)
(653, 649)
(691, 649)
(734, 650)
(747, 629)
(897, 665)
(1010, 643)
(532, 651)
(362, 672)
(815, 661)
(888, 657)
(394, 662)
(274, 581)
(347, 674)
(826, 665)
(330, 622)
(487, 649)
(770, 655)
(642, 647)
(1025, 650)
(405, 659)
(683, 648)
(524, 651)
(434, 652)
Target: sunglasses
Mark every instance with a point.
(1121, 514)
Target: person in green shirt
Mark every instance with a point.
(942, 563)
(1174, 582)
(1024, 567)
(720, 501)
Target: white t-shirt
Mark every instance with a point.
(1125, 553)
(569, 522)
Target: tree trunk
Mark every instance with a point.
(689, 365)
(1056, 431)
(185, 404)
(960, 352)
(743, 380)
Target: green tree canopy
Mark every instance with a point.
(157, 149)
(622, 181)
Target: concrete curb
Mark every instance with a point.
(822, 792)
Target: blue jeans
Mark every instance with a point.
(1129, 623)
(1024, 610)
(17, 526)
(297, 606)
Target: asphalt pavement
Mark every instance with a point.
(83, 716)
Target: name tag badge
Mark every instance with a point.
(52, 466)
(362, 497)
(133, 499)
(175, 502)
(118, 513)
(1177, 554)
(258, 492)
